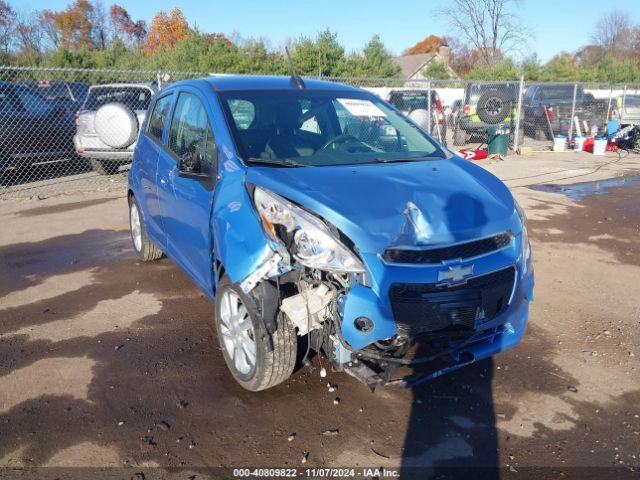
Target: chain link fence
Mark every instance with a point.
(64, 130)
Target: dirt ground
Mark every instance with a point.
(106, 362)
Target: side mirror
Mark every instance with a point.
(190, 166)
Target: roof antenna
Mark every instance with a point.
(295, 78)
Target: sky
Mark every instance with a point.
(555, 25)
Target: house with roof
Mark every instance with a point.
(414, 67)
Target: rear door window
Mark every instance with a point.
(158, 117)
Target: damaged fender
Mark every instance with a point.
(242, 251)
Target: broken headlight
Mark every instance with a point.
(524, 240)
(308, 238)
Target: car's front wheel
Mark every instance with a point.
(245, 343)
(144, 247)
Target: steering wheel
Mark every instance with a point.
(344, 138)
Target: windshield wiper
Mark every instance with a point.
(280, 163)
(398, 160)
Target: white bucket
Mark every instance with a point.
(599, 146)
(578, 143)
(559, 143)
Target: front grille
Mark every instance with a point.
(450, 310)
(459, 251)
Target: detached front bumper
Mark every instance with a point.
(487, 335)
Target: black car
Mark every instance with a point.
(71, 95)
(32, 128)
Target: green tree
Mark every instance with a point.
(532, 68)
(437, 71)
(614, 70)
(376, 60)
(561, 68)
(503, 70)
(323, 56)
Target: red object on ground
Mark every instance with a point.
(588, 145)
(612, 146)
(469, 154)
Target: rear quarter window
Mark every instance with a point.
(158, 117)
(136, 98)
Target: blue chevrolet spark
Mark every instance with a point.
(320, 220)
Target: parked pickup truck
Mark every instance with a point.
(547, 109)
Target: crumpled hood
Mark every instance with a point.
(434, 202)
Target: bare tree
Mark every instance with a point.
(30, 36)
(613, 32)
(7, 20)
(100, 25)
(47, 21)
(490, 26)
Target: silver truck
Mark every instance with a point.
(108, 123)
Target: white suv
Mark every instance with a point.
(109, 122)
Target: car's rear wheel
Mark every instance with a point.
(245, 343)
(104, 167)
(145, 249)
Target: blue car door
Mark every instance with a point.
(148, 148)
(186, 200)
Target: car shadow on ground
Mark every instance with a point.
(451, 430)
(121, 363)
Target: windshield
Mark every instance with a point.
(408, 101)
(321, 128)
(555, 92)
(136, 98)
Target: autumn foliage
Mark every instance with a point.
(166, 30)
(428, 45)
(74, 24)
(124, 25)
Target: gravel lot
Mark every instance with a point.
(105, 362)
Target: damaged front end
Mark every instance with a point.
(429, 308)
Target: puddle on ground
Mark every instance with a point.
(579, 191)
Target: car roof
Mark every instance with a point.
(265, 82)
(150, 86)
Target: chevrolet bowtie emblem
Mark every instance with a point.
(455, 273)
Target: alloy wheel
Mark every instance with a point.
(136, 229)
(237, 332)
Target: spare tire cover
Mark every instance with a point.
(493, 107)
(116, 125)
(421, 117)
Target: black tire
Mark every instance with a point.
(493, 107)
(459, 136)
(271, 366)
(147, 250)
(104, 167)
